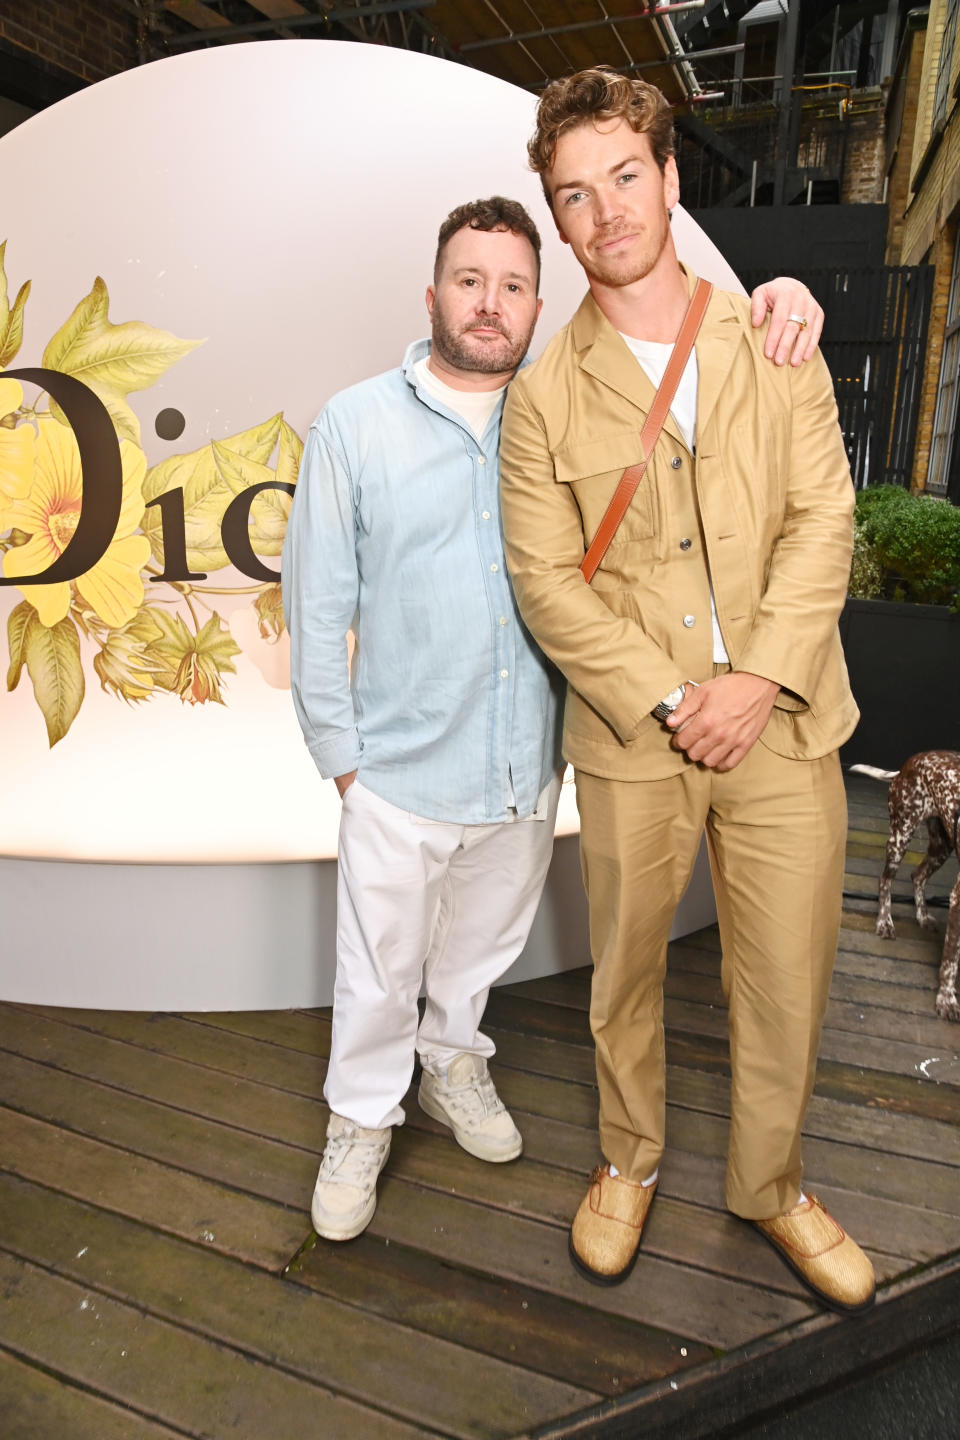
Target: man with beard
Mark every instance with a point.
(706, 682)
(444, 739)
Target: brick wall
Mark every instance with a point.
(932, 215)
(90, 39)
(942, 258)
(901, 144)
(928, 86)
(863, 166)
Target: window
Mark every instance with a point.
(943, 448)
(945, 68)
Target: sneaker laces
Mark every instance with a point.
(350, 1159)
(475, 1101)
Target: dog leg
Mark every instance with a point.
(896, 846)
(938, 852)
(906, 807)
(948, 1007)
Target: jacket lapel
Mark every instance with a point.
(605, 356)
(719, 337)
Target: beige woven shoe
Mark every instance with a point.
(821, 1253)
(606, 1230)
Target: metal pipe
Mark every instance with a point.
(600, 23)
(686, 58)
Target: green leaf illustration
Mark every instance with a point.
(290, 454)
(191, 665)
(167, 651)
(113, 359)
(52, 657)
(11, 320)
(207, 491)
(17, 622)
(270, 509)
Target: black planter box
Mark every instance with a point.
(904, 664)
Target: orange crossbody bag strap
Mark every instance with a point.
(662, 401)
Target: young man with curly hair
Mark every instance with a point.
(706, 683)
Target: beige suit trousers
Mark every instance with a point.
(776, 831)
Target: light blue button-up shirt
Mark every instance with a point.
(395, 533)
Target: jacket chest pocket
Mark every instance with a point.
(593, 470)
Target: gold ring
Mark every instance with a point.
(800, 320)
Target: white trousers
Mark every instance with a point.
(422, 902)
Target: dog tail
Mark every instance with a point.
(873, 772)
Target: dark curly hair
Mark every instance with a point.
(497, 213)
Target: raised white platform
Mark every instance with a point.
(230, 937)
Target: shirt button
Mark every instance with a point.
(485, 514)
(481, 460)
(676, 462)
(494, 568)
(503, 619)
(504, 674)
(689, 621)
(685, 544)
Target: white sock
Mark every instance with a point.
(614, 1172)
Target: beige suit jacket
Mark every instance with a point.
(764, 511)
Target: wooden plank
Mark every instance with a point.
(186, 1205)
(279, 9)
(736, 1394)
(929, 1048)
(605, 1352)
(256, 1166)
(38, 1406)
(909, 1093)
(164, 1373)
(297, 1329)
(230, 1099)
(284, 1174)
(882, 1227)
(870, 1126)
(200, 1045)
(687, 1302)
(195, 13)
(303, 1030)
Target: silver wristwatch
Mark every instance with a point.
(669, 703)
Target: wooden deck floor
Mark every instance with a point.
(159, 1277)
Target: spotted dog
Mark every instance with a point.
(927, 788)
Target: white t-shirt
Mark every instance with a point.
(473, 406)
(653, 358)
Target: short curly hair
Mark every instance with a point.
(497, 213)
(600, 93)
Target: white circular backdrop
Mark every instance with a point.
(279, 202)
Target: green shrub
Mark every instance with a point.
(915, 542)
(866, 572)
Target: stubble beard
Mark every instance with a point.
(617, 272)
(483, 357)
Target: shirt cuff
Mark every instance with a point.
(338, 755)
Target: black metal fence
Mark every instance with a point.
(874, 342)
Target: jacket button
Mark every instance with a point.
(676, 462)
(685, 544)
(689, 621)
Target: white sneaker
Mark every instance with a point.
(468, 1102)
(345, 1195)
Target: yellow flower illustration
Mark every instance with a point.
(16, 451)
(49, 514)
